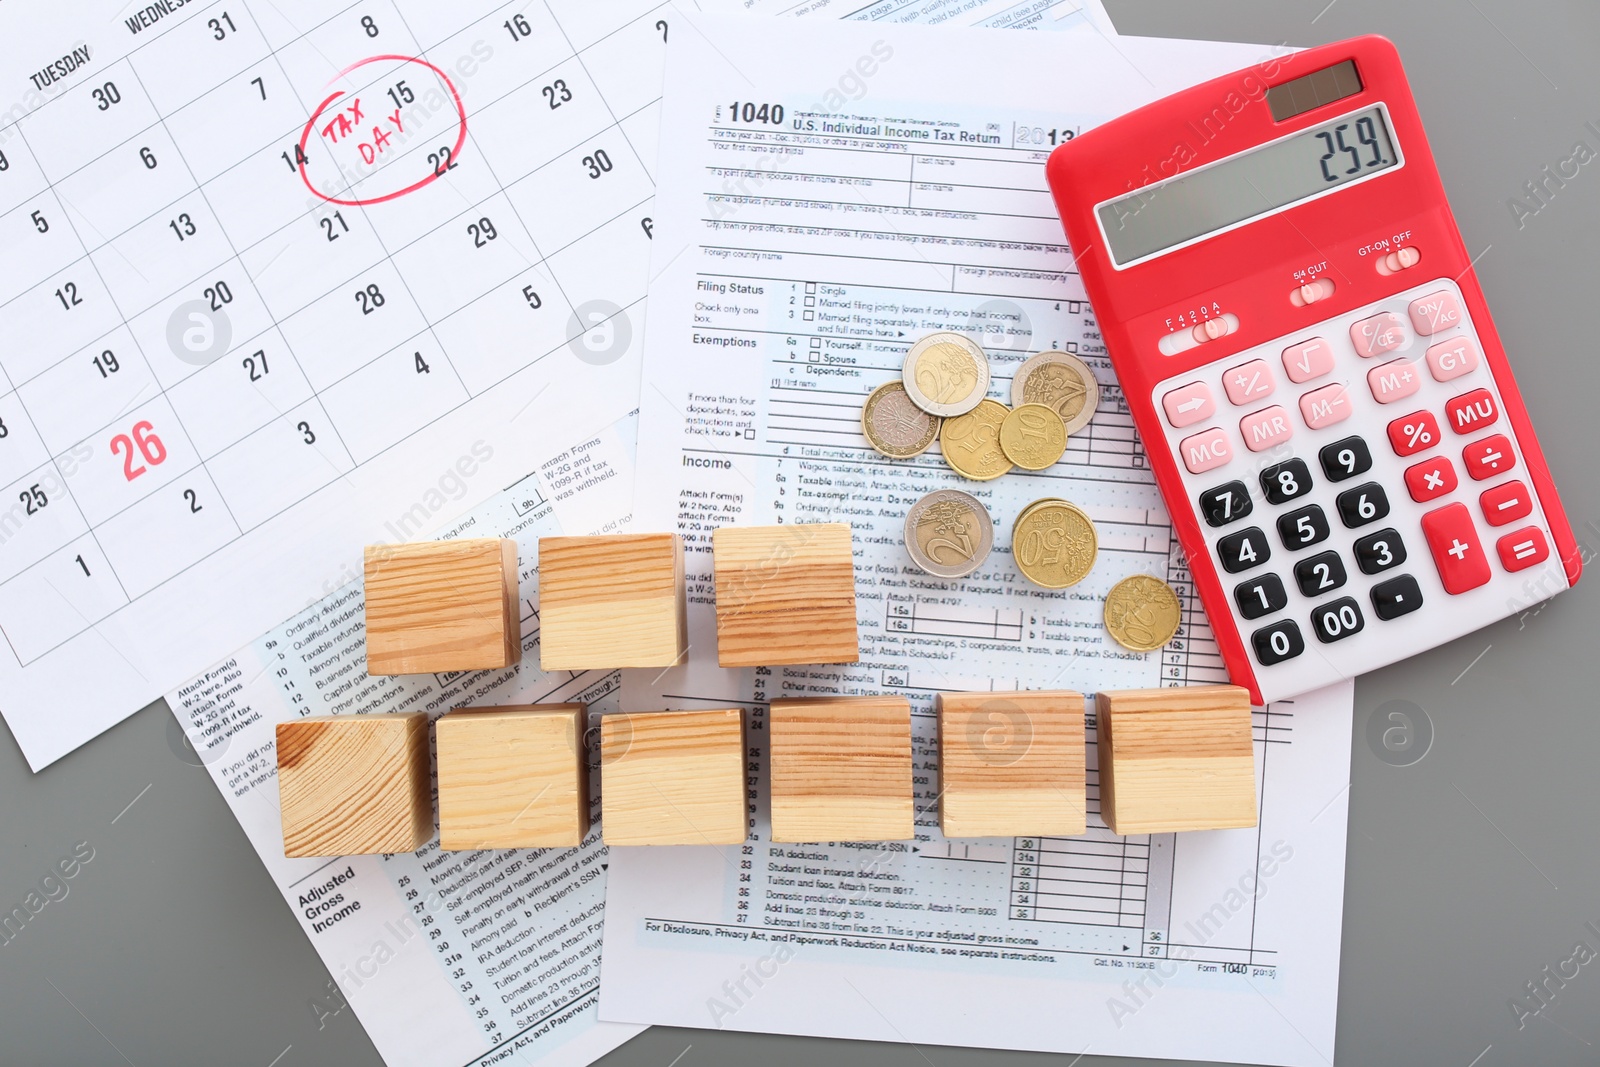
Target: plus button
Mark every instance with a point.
(1457, 549)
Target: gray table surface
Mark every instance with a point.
(1471, 870)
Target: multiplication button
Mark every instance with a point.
(1278, 642)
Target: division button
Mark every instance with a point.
(1378, 334)
(1523, 548)
(1435, 312)
(1243, 550)
(1430, 479)
(1282, 482)
(1377, 552)
(1206, 450)
(1278, 642)
(1188, 404)
(1260, 596)
(1345, 458)
(1488, 457)
(1471, 412)
(1225, 503)
(1320, 573)
(1455, 547)
(1398, 596)
(1506, 503)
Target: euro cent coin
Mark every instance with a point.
(894, 425)
(1054, 544)
(946, 374)
(1033, 436)
(1143, 613)
(971, 442)
(1061, 381)
(949, 533)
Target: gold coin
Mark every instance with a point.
(1054, 544)
(971, 442)
(1060, 381)
(1033, 436)
(894, 425)
(946, 374)
(1143, 613)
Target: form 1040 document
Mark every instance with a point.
(808, 236)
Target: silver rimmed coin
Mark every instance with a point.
(1061, 381)
(949, 533)
(946, 374)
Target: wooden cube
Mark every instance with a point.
(1011, 764)
(351, 785)
(438, 606)
(673, 778)
(1176, 759)
(785, 594)
(512, 777)
(612, 601)
(841, 769)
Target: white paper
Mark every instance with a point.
(797, 258)
(992, 14)
(447, 958)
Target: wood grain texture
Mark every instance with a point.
(512, 777)
(785, 594)
(437, 606)
(351, 785)
(673, 778)
(841, 769)
(1011, 764)
(1176, 759)
(612, 601)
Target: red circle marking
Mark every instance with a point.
(455, 152)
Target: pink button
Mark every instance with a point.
(1250, 382)
(1188, 404)
(1436, 312)
(1452, 359)
(1308, 360)
(1205, 450)
(1377, 335)
(1265, 428)
(1325, 406)
(1393, 380)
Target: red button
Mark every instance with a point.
(1455, 547)
(1523, 548)
(1431, 478)
(1471, 412)
(1506, 503)
(1414, 433)
(1488, 457)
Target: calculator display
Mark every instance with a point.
(1246, 186)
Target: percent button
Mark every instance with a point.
(1413, 433)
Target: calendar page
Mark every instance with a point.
(283, 278)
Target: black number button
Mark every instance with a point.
(1379, 551)
(1225, 503)
(1337, 620)
(1345, 459)
(1282, 482)
(1260, 596)
(1363, 504)
(1396, 597)
(1278, 642)
(1320, 573)
(1303, 527)
(1243, 550)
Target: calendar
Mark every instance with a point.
(282, 278)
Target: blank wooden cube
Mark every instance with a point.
(352, 785)
(785, 594)
(673, 778)
(512, 777)
(841, 769)
(439, 606)
(611, 601)
(1011, 764)
(1176, 759)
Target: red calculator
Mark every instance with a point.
(1311, 365)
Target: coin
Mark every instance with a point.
(1054, 543)
(949, 533)
(946, 374)
(894, 425)
(1033, 436)
(1142, 613)
(971, 442)
(1061, 381)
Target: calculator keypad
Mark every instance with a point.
(1433, 505)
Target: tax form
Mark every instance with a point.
(809, 235)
